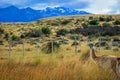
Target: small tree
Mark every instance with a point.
(46, 31)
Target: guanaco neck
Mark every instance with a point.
(92, 53)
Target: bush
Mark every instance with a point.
(1, 31)
(65, 22)
(63, 41)
(109, 19)
(46, 31)
(62, 32)
(106, 25)
(75, 43)
(1, 42)
(102, 44)
(91, 18)
(93, 22)
(105, 39)
(107, 47)
(48, 47)
(74, 37)
(6, 36)
(55, 24)
(97, 30)
(116, 22)
(32, 33)
(116, 49)
(102, 18)
(84, 24)
(15, 38)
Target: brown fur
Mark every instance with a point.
(106, 62)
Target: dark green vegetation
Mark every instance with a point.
(87, 26)
(70, 27)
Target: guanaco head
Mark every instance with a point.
(91, 45)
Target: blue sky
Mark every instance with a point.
(94, 6)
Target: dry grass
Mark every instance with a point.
(69, 66)
(67, 69)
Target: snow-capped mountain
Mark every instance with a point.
(14, 14)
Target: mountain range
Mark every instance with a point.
(14, 14)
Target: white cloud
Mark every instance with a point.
(116, 8)
(13, 1)
(101, 6)
(41, 6)
(93, 6)
(18, 3)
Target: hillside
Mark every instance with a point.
(56, 48)
(65, 22)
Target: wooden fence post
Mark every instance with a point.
(111, 43)
(75, 45)
(99, 44)
(37, 49)
(52, 45)
(9, 51)
(23, 50)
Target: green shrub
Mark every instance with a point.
(116, 22)
(101, 18)
(84, 24)
(46, 31)
(74, 37)
(75, 43)
(1, 31)
(62, 32)
(64, 41)
(106, 25)
(107, 47)
(94, 30)
(91, 18)
(55, 23)
(1, 42)
(32, 33)
(6, 36)
(109, 19)
(15, 38)
(93, 22)
(65, 22)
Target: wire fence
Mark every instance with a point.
(21, 52)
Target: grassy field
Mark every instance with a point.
(64, 64)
